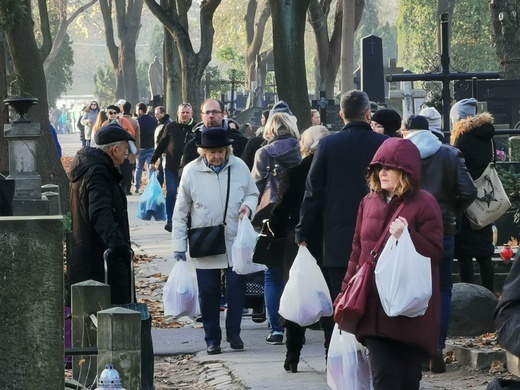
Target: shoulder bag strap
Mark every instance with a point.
(493, 151)
(227, 195)
(375, 252)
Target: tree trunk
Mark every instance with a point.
(255, 36)
(172, 73)
(128, 25)
(192, 64)
(289, 56)
(59, 38)
(506, 36)
(113, 50)
(30, 77)
(347, 47)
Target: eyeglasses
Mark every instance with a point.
(112, 112)
(214, 112)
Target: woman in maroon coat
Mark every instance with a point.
(397, 345)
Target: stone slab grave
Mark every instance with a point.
(502, 97)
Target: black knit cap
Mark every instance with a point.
(416, 122)
(389, 119)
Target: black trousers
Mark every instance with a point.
(126, 170)
(487, 271)
(395, 365)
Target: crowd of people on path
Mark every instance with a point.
(336, 194)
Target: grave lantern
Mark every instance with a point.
(109, 379)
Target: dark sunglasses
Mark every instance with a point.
(112, 112)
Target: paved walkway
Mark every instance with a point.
(260, 365)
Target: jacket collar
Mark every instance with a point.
(357, 125)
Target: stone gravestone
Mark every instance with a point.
(31, 303)
(502, 97)
(372, 72)
(22, 136)
(329, 112)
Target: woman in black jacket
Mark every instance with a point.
(473, 135)
(283, 219)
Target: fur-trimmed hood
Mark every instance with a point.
(480, 126)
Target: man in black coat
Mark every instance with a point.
(99, 213)
(172, 142)
(335, 185)
(212, 112)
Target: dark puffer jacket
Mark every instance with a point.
(99, 221)
(474, 137)
(425, 226)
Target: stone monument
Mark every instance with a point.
(22, 137)
(155, 77)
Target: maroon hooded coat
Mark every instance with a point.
(425, 226)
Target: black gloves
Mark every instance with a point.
(119, 253)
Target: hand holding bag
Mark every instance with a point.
(243, 248)
(152, 204)
(491, 202)
(210, 240)
(306, 297)
(180, 294)
(348, 366)
(403, 278)
(269, 250)
(352, 303)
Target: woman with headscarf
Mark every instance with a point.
(397, 345)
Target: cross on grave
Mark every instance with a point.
(411, 98)
(445, 76)
(329, 112)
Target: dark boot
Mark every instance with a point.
(291, 361)
(437, 363)
(294, 342)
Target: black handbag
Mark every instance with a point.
(209, 240)
(269, 250)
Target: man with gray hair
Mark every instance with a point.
(99, 213)
(335, 185)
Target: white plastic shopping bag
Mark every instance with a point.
(348, 367)
(243, 249)
(306, 297)
(403, 278)
(180, 294)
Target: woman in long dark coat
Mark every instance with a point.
(474, 137)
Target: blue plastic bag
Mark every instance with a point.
(152, 205)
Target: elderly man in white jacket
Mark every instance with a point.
(202, 198)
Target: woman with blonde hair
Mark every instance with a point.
(283, 219)
(281, 153)
(101, 118)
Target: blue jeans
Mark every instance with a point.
(446, 285)
(172, 182)
(145, 156)
(273, 288)
(209, 281)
